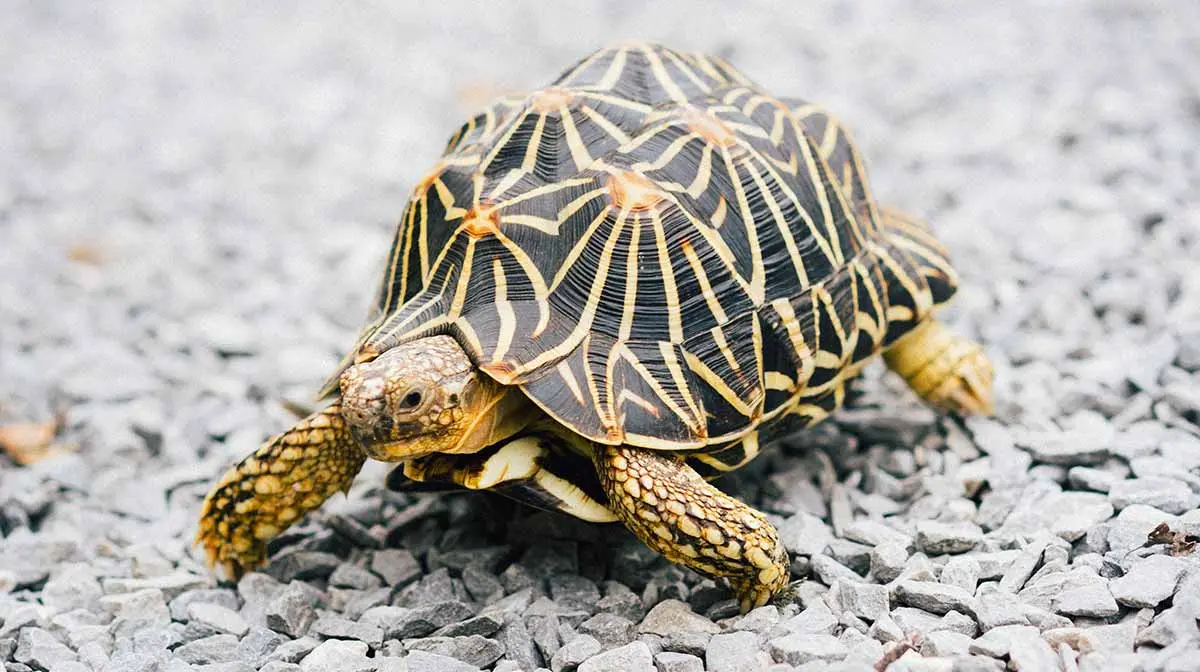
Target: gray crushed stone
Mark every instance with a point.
(197, 200)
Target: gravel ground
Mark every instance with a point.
(193, 209)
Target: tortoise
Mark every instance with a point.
(607, 293)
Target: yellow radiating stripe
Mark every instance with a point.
(758, 274)
(579, 153)
(577, 250)
(606, 411)
(922, 303)
(399, 262)
(528, 162)
(679, 377)
(584, 65)
(777, 126)
(664, 78)
(613, 73)
(829, 139)
(474, 345)
(735, 75)
(792, 167)
(545, 190)
(822, 294)
(687, 71)
(568, 376)
(668, 154)
(831, 235)
(724, 254)
(718, 383)
(718, 335)
(703, 173)
(707, 66)
(607, 126)
(627, 396)
(754, 102)
(778, 381)
(814, 231)
(792, 325)
(756, 336)
(445, 196)
(423, 237)
(691, 421)
(806, 110)
(500, 143)
(543, 224)
(877, 322)
(593, 301)
(938, 261)
(670, 289)
(747, 215)
(706, 289)
(733, 94)
(615, 101)
(508, 320)
(460, 289)
(748, 130)
(719, 214)
(631, 284)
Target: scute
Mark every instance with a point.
(657, 252)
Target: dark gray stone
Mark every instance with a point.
(302, 565)
(609, 629)
(404, 623)
(293, 610)
(397, 567)
(475, 650)
(486, 625)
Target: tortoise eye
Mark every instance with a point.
(411, 400)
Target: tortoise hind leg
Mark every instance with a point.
(290, 475)
(949, 371)
(674, 511)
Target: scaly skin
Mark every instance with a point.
(950, 372)
(290, 475)
(674, 511)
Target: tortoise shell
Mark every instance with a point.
(657, 252)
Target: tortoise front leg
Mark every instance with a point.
(674, 511)
(290, 475)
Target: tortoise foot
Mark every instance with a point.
(674, 511)
(269, 490)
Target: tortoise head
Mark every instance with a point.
(427, 397)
